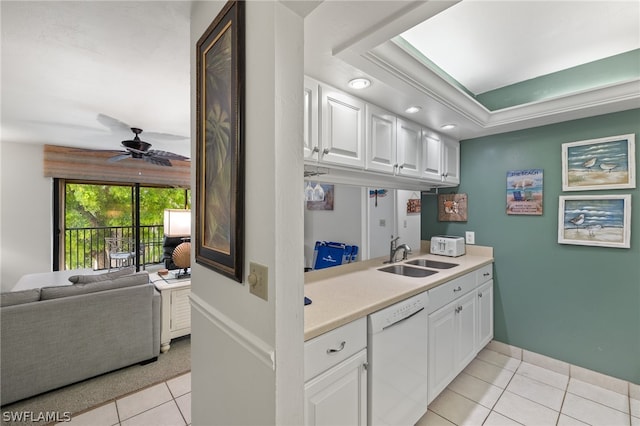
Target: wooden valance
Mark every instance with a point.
(87, 164)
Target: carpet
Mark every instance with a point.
(80, 397)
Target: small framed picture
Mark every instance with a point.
(595, 220)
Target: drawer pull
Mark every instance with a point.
(486, 274)
(333, 351)
(457, 289)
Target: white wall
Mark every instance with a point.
(247, 354)
(342, 224)
(26, 213)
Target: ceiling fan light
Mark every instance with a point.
(413, 109)
(359, 83)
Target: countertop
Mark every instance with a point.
(343, 294)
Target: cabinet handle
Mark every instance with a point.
(480, 295)
(365, 365)
(401, 166)
(315, 149)
(326, 151)
(457, 289)
(333, 351)
(486, 274)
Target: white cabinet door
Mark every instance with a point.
(339, 395)
(452, 341)
(409, 148)
(441, 359)
(342, 135)
(466, 323)
(485, 314)
(431, 161)
(380, 139)
(310, 135)
(451, 162)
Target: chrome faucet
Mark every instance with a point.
(393, 250)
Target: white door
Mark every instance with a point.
(338, 396)
(409, 148)
(381, 221)
(342, 137)
(380, 139)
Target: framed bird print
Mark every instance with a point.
(605, 163)
(595, 220)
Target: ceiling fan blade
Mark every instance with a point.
(159, 161)
(165, 154)
(112, 123)
(164, 136)
(118, 158)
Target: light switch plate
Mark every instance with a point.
(259, 280)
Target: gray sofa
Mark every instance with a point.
(58, 335)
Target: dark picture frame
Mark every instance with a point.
(220, 85)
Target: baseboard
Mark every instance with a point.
(573, 371)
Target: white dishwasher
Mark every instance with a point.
(397, 353)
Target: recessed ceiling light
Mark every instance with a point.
(359, 83)
(413, 109)
(448, 126)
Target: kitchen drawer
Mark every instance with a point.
(449, 291)
(333, 347)
(484, 274)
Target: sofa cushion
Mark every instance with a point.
(18, 297)
(83, 279)
(76, 289)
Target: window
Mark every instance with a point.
(89, 212)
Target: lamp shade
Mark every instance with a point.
(177, 223)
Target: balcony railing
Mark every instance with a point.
(86, 248)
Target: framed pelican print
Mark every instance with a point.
(605, 163)
(595, 220)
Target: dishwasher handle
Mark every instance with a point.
(403, 319)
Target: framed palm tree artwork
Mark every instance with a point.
(220, 145)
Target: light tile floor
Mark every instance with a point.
(494, 390)
(167, 403)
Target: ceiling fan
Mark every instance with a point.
(137, 148)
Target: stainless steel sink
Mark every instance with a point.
(407, 271)
(432, 263)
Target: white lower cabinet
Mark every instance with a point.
(452, 331)
(460, 324)
(338, 396)
(335, 390)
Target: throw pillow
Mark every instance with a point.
(19, 297)
(85, 288)
(83, 279)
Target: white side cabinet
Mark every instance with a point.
(175, 310)
(335, 371)
(450, 161)
(440, 159)
(310, 132)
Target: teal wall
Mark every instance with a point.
(579, 304)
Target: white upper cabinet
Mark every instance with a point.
(450, 161)
(380, 138)
(310, 136)
(431, 157)
(440, 159)
(409, 148)
(342, 131)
